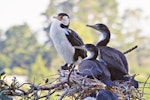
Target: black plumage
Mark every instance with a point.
(106, 95)
(116, 60)
(102, 95)
(75, 40)
(93, 68)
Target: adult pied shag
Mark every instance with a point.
(116, 60)
(64, 39)
(93, 68)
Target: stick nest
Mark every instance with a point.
(79, 87)
(69, 84)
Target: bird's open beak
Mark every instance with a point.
(80, 47)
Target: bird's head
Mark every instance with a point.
(64, 19)
(92, 49)
(100, 27)
(87, 47)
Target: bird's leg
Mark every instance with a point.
(66, 67)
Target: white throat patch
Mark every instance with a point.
(65, 20)
(103, 36)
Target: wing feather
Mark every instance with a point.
(75, 40)
(113, 57)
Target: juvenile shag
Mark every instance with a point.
(93, 68)
(64, 39)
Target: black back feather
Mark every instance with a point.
(75, 40)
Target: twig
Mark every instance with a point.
(146, 93)
(63, 95)
(144, 85)
(143, 82)
(130, 49)
(22, 93)
(25, 84)
(46, 96)
(70, 73)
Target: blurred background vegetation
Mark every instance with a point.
(22, 54)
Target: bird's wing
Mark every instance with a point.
(112, 57)
(121, 56)
(74, 38)
(89, 68)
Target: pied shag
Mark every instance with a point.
(116, 60)
(64, 39)
(92, 68)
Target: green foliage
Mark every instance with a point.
(20, 48)
(19, 45)
(4, 61)
(84, 32)
(38, 71)
(19, 71)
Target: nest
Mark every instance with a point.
(70, 84)
(79, 87)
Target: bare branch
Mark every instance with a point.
(130, 49)
(145, 85)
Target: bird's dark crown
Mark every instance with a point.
(90, 47)
(101, 27)
(63, 14)
(93, 50)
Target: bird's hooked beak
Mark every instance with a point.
(92, 26)
(80, 47)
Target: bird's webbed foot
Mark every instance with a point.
(66, 67)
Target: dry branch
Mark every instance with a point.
(130, 49)
(77, 87)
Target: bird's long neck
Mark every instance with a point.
(104, 40)
(93, 55)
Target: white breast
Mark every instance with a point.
(61, 43)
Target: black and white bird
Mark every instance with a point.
(116, 60)
(64, 40)
(92, 68)
(102, 95)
